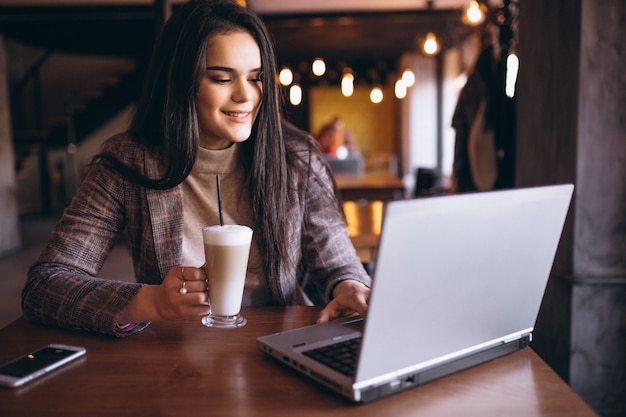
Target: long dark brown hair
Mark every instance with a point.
(166, 119)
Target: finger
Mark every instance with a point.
(360, 305)
(195, 309)
(191, 301)
(329, 312)
(323, 317)
(192, 287)
(187, 287)
(193, 274)
(193, 280)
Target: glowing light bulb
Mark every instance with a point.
(431, 45)
(408, 77)
(474, 14)
(400, 89)
(285, 77)
(318, 67)
(295, 95)
(347, 84)
(376, 95)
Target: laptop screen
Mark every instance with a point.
(456, 273)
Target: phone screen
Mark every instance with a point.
(35, 361)
(32, 365)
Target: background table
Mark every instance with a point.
(184, 369)
(369, 186)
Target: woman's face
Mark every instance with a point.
(230, 90)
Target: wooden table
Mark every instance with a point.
(185, 369)
(369, 186)
(364, 224)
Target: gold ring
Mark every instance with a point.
(183, 289)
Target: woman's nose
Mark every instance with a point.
(244, 91)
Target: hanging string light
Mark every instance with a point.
(431, 44)
(347, 83)
(318, 67)
(285, 77)
(376, 95)
(474, 14)
(400, 89)
(295, 95)
(408, 77)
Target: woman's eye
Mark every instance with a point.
(220, 80)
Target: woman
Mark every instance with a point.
(210, 107)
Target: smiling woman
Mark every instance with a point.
(210, 106)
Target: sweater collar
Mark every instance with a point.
(221, 161)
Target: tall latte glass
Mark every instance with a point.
(226, 249)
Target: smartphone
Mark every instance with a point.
(38, 363)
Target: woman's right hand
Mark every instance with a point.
(183, 293)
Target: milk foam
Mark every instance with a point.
(231, 234)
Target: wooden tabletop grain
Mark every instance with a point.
(185, 369)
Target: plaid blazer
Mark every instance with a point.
(63, 289)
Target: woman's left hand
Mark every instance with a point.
(348, 296)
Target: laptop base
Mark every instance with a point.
(411, 380)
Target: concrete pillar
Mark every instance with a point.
(571, 128)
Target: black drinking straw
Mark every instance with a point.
(219, 199)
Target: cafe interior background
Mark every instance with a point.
(69, 71)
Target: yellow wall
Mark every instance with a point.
(373, 125)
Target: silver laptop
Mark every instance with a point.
(458, 281)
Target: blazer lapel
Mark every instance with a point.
(166, 216)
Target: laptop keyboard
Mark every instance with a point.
(340, 356)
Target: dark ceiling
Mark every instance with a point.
(93, 30)
(361, 36)
(129, 31)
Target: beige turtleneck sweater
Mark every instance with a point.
(200, 209)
